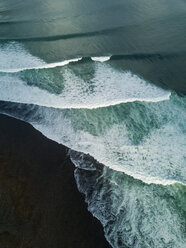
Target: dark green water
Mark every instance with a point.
(107, 79)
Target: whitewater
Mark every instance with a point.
(134, 128)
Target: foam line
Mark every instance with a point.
(45, 66)
(148, 180)
(78, 94)
(101, 59)
(150, 171)
(59, 106)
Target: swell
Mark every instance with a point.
(105, 31)
(102, 58)
(64, 36)
(149, 56)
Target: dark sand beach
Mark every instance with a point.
(40, 205)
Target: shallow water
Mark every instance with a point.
(107, 79)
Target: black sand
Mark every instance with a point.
(40, 206)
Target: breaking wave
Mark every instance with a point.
(104, 86)
(134, 128)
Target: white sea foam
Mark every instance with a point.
(14, 58)
(137, 214)
(108, 87)
(101, 59)
(159, 157)
(132, 213)
(45, 66)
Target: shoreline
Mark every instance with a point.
(40, 203)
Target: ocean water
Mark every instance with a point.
(108, 81)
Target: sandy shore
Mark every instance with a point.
(40, 206)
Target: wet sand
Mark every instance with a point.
(40, 206)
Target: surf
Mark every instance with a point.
(112, 117)
(127, 143)
(105, 86)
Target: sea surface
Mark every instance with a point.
(107, 79)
